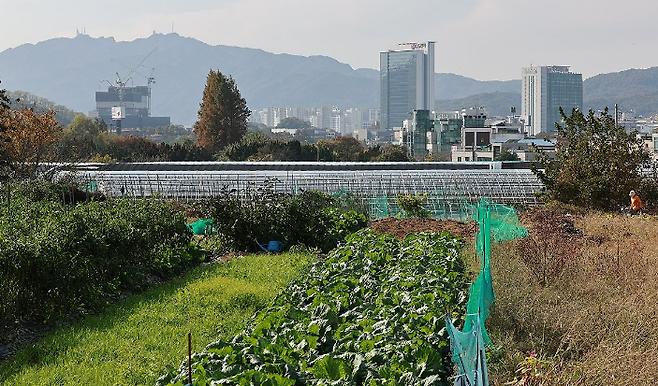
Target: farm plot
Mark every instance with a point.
(371, 313)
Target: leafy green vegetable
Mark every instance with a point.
(370, 314)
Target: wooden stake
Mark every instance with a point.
(189, 358)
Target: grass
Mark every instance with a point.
(592, 322)
(131, 343)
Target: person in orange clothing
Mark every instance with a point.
(636, 203)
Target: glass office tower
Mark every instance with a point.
(544, 90)
(407, 82)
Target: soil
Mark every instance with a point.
(402, 227)
(21, 335)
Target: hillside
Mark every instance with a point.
(70, 70)
(453, 87)
(496, 103)
(634, 89)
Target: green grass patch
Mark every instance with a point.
(131, 343)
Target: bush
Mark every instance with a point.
(260, 215)
(412, 205)
(57, 260)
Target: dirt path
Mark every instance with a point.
(402, 227)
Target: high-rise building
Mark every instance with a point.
(407, 82)
(544, 90)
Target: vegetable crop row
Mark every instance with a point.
(372, 313)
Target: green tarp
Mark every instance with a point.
(201, 227)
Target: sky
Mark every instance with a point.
(480, 39)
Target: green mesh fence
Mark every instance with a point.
(501, 223)
(379, 207)
(468, 354)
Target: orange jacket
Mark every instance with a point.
(636, 203)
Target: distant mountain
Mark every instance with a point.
(632, 89)
(70, 70)
(451, 86)
(496, 103)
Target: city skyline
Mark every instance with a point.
(517, 34)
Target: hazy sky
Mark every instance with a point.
(481, 39)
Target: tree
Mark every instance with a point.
(347, 149)
(293, 123)
(506, 155)
(4, 99)
(223, 114)
(82, 140)
(394, 153)
(132, 148)
(28, 138)
(248, 146)
(596, 162)
(184, 151)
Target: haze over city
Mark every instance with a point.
(480, 39)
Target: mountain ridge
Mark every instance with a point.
(70, 70)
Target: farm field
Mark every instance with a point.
(372, 312)
(132, 342)
(574, 306)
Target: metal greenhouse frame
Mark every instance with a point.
(447, 185)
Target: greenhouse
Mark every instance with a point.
(446, 184)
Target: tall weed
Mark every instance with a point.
(593, 322)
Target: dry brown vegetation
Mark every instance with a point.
(581, 292)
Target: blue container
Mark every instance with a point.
(273, 246)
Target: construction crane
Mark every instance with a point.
(121, 83)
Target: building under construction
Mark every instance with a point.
(128, 107)
(125, 107)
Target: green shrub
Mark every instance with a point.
(261, 215)
(412, 205)
(58, 260)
